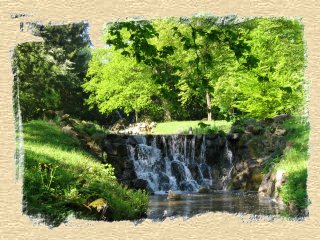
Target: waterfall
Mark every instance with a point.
(227, 177)
(19, 154)
(170, 163)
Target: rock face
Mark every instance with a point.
(254, 143)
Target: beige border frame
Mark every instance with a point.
(14, 225)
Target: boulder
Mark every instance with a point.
(267, 186)
(281, 118)
(98, 204)
(280, 179)
(204, 190)
(69, 130)
(49, 114)
(173, 195)
(279, 131)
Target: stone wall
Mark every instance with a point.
(253, 144)
(115, 147)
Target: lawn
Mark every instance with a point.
(182, 127)
(60, 178)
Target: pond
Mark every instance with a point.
(192, 204)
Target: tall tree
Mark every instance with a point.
(209, 47)
(51, 73)
(119, 82)
(275, 85)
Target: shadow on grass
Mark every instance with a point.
(45, 198)
(54, 189)
(38, 132)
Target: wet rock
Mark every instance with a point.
(132, 141)
(195, 171)
(173, 195)
(252, 164)
(239, 166)
(186, 186)
(163, 179)
(140, 139)
(140, 184)
(267, 185)
(204, 168)
(178, 171)
(216, 184)
(204, 190)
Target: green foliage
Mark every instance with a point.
(60, 179)
(294, 163)
(275, 85)
(119, 82)
(50, 73)
(230, 70)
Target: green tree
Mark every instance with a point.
(275, 85)
(51, 73)
(119, 82)
(209, 49)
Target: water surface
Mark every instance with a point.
(192, 204)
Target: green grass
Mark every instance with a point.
(60, 178)
(182, 127)
(294, 163)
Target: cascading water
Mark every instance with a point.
(19, 154)
(226, 178)
(171, 163)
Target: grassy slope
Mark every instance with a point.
(60, 178)
(182, 127)
(294, 163)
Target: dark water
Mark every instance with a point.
(192, 204)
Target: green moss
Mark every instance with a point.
(60, 178)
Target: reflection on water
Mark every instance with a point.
(192, 204)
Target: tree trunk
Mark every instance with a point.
(167, 113)
(136, 115)
(208, 97)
